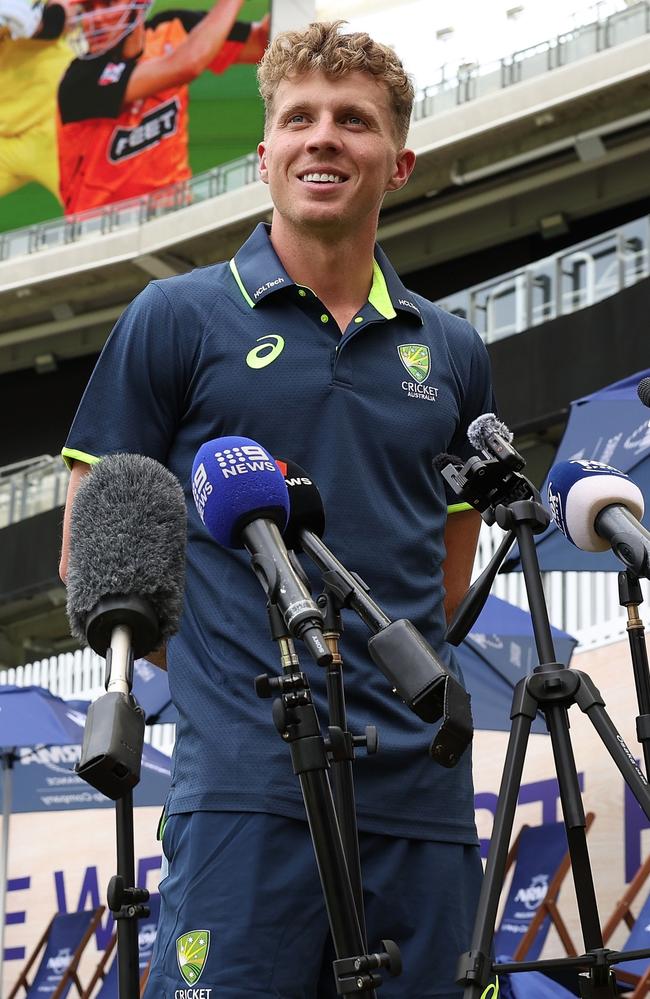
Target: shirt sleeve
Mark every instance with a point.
(94, 88)
(134, 400)
(229, 51)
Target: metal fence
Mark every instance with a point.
(556, 286)
(468, 83)
(474, 80)
(30, 487)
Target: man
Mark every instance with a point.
(33, 58)
(364, 384)
(123, 106)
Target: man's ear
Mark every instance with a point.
(262, 167)
(404, 164)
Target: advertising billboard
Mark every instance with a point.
(99, 112)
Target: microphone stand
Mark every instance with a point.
(111, 757)
(630, 597)
(552, 688)
(341, 745)
(295, 718)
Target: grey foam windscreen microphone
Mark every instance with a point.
(483, 428)
(128, 534)
(488, 434)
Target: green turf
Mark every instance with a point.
(225, 122)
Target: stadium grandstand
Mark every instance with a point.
(528, 213)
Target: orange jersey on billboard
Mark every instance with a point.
(108, 150)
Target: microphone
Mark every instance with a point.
(125, 592)
(420, 680)
(598, 507)
(488, 434)
(241, 497)
(643, 391)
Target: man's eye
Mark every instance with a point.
(354, 119)
(297, 118)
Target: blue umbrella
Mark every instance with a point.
(612, 426)
(29, 716)
(499, 651)
(40, 737)
(151, 690)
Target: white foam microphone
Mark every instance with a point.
(597, 507)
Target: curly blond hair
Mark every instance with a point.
(321, 47)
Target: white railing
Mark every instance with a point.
(31, 486)
(468, 83)
(559, 285)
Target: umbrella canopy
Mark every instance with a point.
(499, 651)
(44, 780)
(151, 691)
(31, 716)
(612, 426)
(40, 737)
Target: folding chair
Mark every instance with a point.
(106, 971)
(542, 861)
(62, 943)
(633, 977)
(531, 985)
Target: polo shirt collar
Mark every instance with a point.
(258, 272)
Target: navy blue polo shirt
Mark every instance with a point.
(240, 349)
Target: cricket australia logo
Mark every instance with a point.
(417, 360)
(192, 953)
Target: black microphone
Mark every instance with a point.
(125, 593)
(643, 391)
(241, 497)
(420, 679)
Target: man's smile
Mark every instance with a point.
(322, 177)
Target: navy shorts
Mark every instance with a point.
(242, 911)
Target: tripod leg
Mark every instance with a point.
(590, 701)
(475, 966)
(342, 781)
(332, 866)
(575, 824)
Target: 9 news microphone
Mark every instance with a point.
(242, 499)
(419, 677)
(597, 507)
(125, 591)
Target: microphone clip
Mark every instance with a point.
(488, 483)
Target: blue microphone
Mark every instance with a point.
(242, 499)
(597, 507)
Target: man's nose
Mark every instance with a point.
(324, 134)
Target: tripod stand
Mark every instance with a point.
(552, 688)
(630, 597)
(295, 718)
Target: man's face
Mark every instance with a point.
(105, 22)
(330, 152)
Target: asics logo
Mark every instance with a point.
(270, 348)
